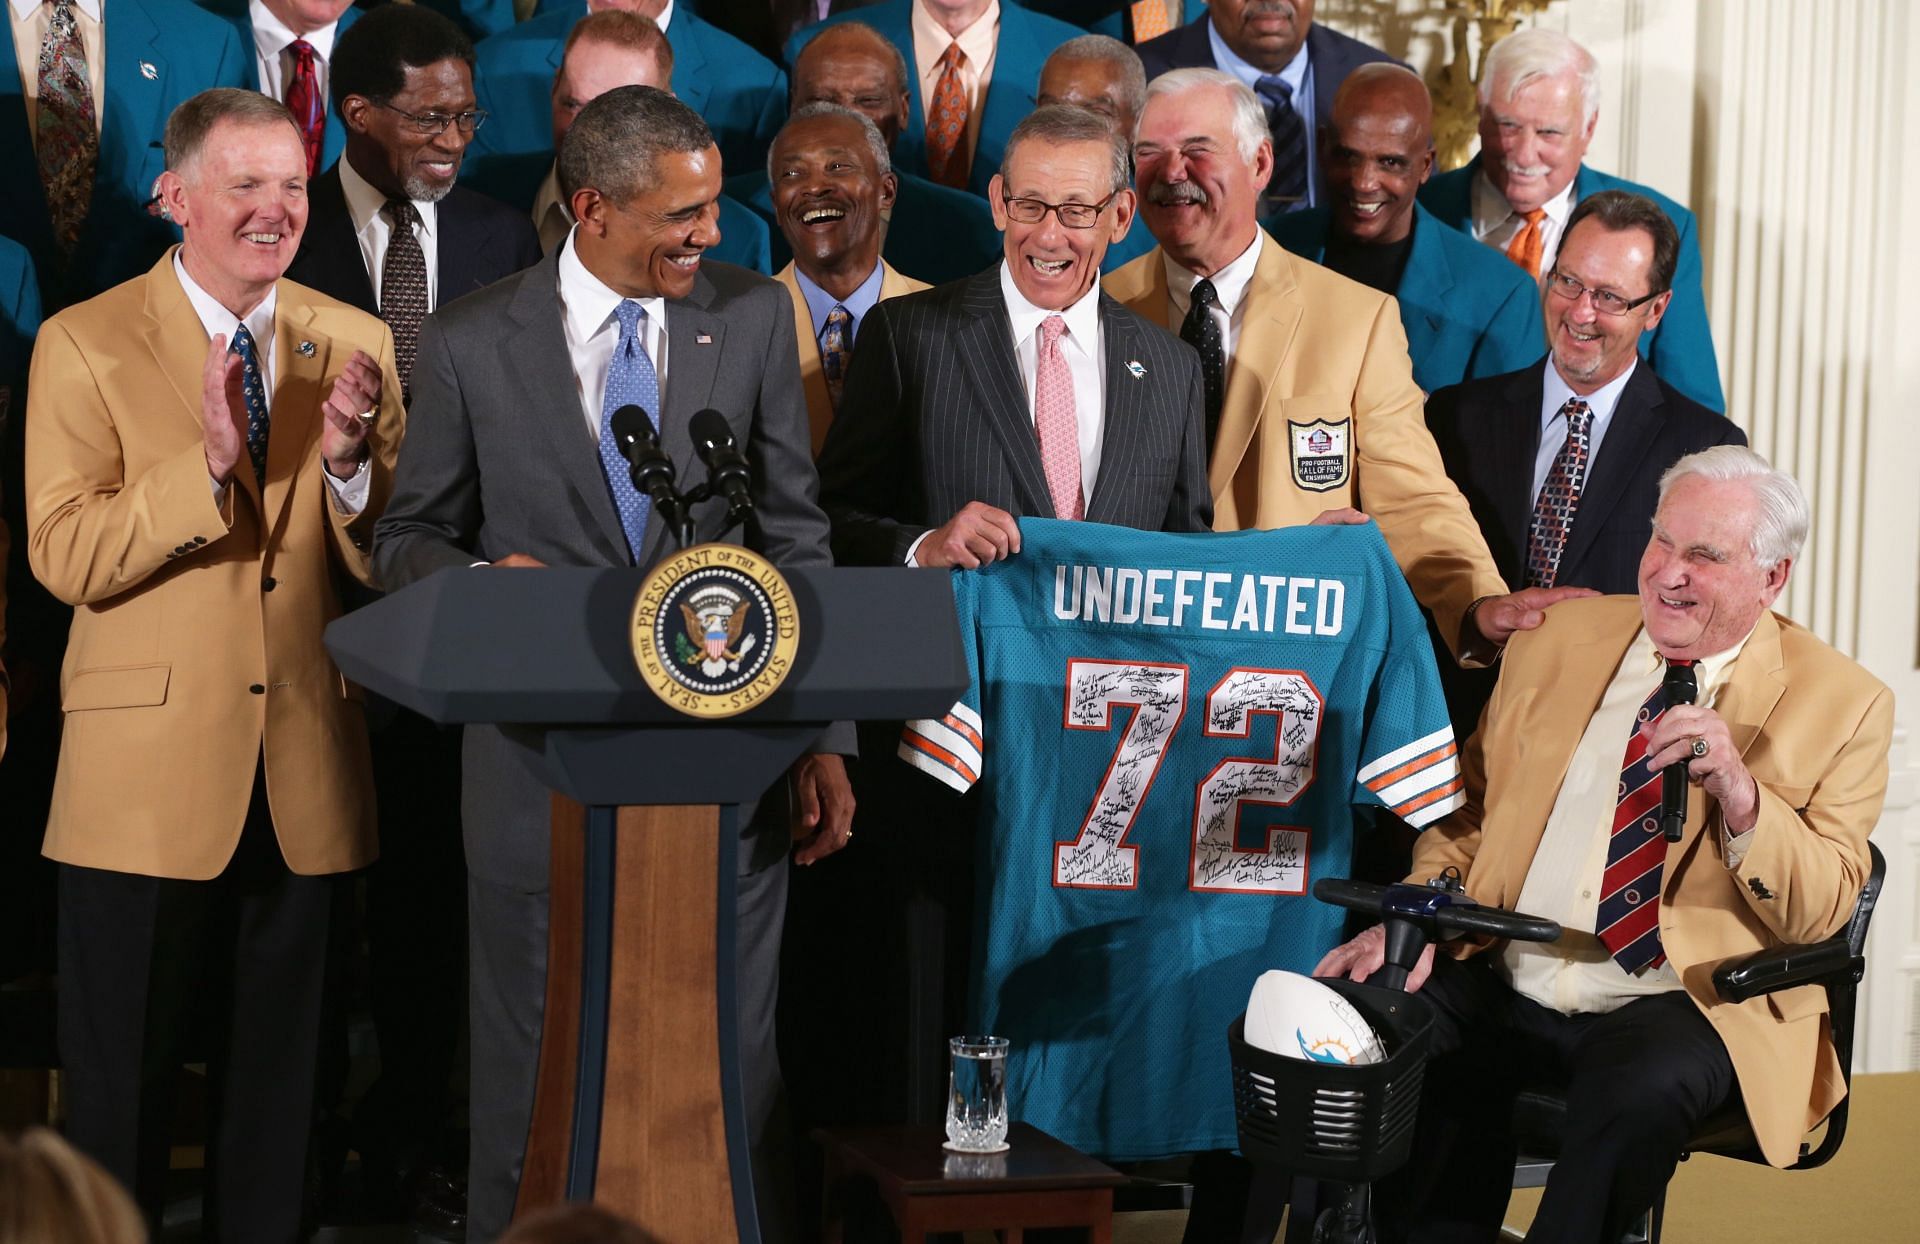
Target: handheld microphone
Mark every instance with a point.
(727, 473)
(652, 470)
(1680, 688)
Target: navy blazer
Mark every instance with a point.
(1026, 40)
(477, 241)
(1681, 349)
(237, 14)
(1331, 56)
(1468, 312)
(158, 53)
(516, 179)
(937, 234)
(1488, 432)
(741, 94)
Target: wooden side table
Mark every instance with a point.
(1037, 1182)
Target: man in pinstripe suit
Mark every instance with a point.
(1024, 390)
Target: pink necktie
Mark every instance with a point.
(1053, 421)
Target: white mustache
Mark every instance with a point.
(1527, 170)
(1163, 193)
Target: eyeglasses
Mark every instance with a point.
(1072, 215)
(437, 122)
(1605, 302)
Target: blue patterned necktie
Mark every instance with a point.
(255, 392)
(836, 347)
(631, 381)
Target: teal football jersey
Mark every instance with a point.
(1171, 733)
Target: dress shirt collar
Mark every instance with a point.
(588, 300)
(666, 15)
(364, 202)
(1083, 317)
(1294, 73)
(271, 36)
(1709, 673)
(977, 40)
(1555, 393)
(23, 9)
(1491, 209)
(820, 303)
(1229, 284)
(217, 320)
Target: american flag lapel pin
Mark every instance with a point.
(1136, 370)
(703, 339)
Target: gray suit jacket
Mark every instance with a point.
(934, 415)
(498, 460)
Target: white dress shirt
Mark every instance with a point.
(29, 20)
(1084, 347)
(349, 495)
(1497, 224)
(1554, 394)
(1086, 362)
(274, 63)
(371, 227)
(592, 332)
(1229, 288)
(979, 41)
(1577, 975)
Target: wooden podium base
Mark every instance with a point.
(638, 1104)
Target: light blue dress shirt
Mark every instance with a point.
(1554, 394)
(820, 303)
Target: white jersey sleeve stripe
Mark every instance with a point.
(1400, 755)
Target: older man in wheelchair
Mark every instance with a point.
(1783, 745)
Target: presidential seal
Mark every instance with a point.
(714, 630)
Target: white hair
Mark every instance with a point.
(1780, 526)
(1527, 55)
(1249, 120)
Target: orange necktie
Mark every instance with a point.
(1153, 18)
(1526, 248)
(947, 122)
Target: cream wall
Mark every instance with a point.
(1785, 127)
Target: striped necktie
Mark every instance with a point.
(1628, 921)
(1287, 189)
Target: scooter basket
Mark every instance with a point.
(1332, 1121)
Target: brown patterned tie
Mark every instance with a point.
(403, 289)
(67, 142)
(947, 122)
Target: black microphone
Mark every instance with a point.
(652, 470)
(727, 472)
(1680, 688)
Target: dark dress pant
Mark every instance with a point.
(156, 972)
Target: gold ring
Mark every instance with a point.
(1700, 748)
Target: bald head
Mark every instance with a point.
(1379, 150)
(853, 65)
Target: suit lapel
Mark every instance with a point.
(298, 391)
(692, 81)
(1125, 413)
(1274, 308)
(1512, 440)
(1754, 686)
(549, 396)
(985, 344)
(1632, 437)
(335, 248)
(813, 376)
(1424, 289)
(459, 241)
(135, 82)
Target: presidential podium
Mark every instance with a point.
(639, 1103)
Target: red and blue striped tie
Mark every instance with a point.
(1628, 923)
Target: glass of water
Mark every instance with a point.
(977, 1094)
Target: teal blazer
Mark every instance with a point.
(1681, 349)
(741, 94)
(1026, 40)
(938, 234)
(1468, 311)
(158, 53)
(235, 14)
